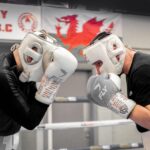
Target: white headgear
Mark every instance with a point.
(31, 51)
(102, 48)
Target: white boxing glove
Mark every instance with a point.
(104, 90)
(58, 69)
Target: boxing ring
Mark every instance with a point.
(91, 124)
(84, 124)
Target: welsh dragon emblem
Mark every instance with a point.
(74, 39)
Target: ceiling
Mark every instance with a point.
(139, 7)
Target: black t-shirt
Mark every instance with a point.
(18, 106)
(138, 81)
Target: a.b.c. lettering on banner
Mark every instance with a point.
(6, 27)
(3, 14)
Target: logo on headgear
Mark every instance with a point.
(27, 22)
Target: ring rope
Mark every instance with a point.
(79, 99)
(88, 124)
(109, 147)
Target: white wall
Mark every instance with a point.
(136, 31)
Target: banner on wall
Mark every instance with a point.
(17, 20)
(75, 28)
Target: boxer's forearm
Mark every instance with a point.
(141, 116)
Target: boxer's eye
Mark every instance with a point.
(52, 59)
(98, 65)
(114, 46)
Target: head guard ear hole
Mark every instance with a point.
(114, 46)
(35, 48)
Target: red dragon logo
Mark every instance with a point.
(74, 39)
